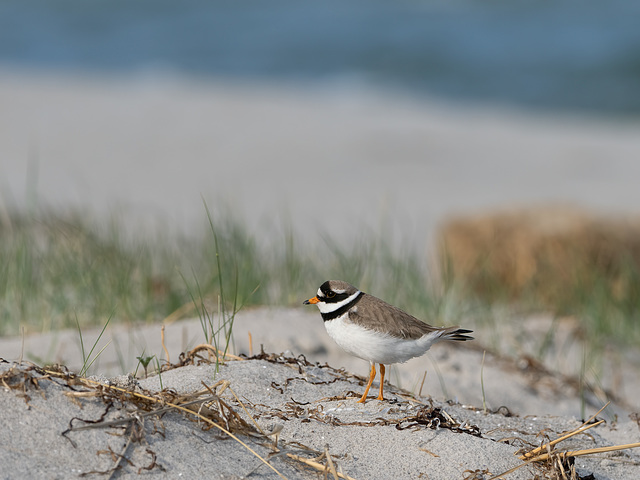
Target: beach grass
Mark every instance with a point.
(59, 271)
(66, 271)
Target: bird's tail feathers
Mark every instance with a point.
(455, 334)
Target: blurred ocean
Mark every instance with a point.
(552, 55)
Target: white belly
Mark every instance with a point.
(374, 346)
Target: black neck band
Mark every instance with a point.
(340, 311)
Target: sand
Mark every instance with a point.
(154, 147)
(314, 404)
(511, 377)
(312, 409)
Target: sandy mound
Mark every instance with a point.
(299, 417)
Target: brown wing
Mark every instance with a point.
(378, 315)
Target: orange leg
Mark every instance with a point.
(380, 397)
(372, 375)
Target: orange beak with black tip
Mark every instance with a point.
(311, 301)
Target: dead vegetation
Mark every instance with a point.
(560, 464)
(206, 407)
(553, 255)
(141, 413)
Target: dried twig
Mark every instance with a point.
(316, 465)
(584, 427)
(588, 451)
(214, 351)
(534, 456)
(93, 383)
(166, 352)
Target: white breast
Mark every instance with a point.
(374, 346)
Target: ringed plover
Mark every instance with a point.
(374, 330)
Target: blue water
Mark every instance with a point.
(555, 55)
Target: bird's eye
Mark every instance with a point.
(331, 294)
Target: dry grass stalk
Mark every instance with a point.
(164, 347)
(585, 426)
(587, 451)
(212, 350)
(181, 312)
(330, 466)
(247, 412)
(558, 458)
(550, 445)
(165, 404)
(317, 466)
(188, 405)
(546, 252)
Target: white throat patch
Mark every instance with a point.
(332, 307)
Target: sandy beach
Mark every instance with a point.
(326, 161)
(284, 414)
(307, 395)
(512, 378)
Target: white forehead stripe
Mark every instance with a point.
(320, 294)
(332, 307)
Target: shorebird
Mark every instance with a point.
(372, 329)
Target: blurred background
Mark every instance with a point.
(387, 111)
(537, 55)
(475, 163)
(332, 139)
